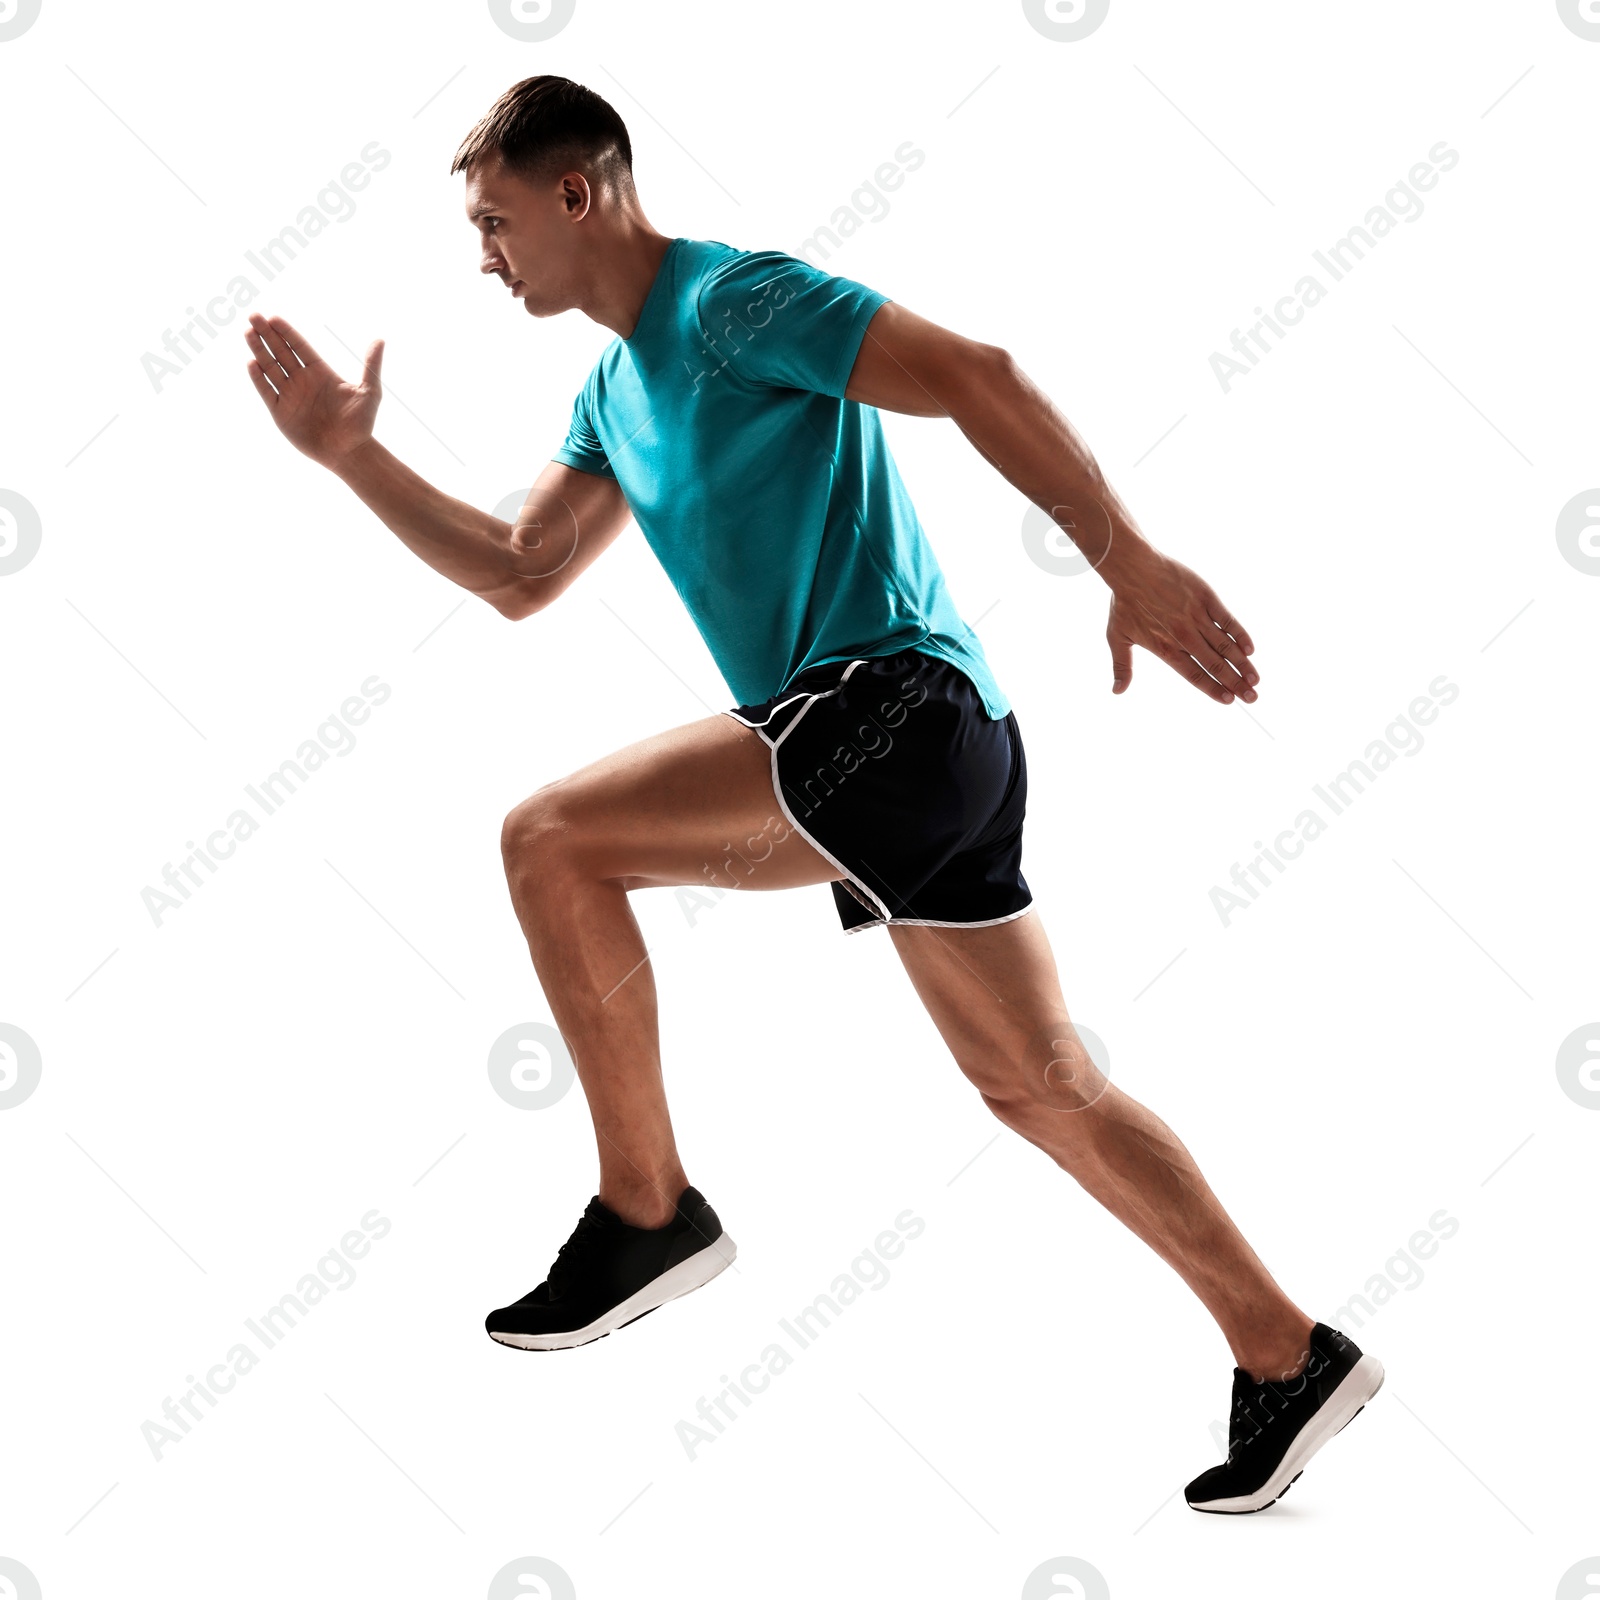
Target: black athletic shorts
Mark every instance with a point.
(892, 768)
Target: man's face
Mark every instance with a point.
(527, 234)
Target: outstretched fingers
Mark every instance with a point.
(295, 342)
(259, 379)
(1205, 644)
(1191, 658)
(283, 351)
(278, 362)
(1225, 634)
(1235, 649)
(1228, 623)
(1189, 669)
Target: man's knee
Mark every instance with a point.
(538, 834)
(1053, 1071)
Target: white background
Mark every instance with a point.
(224, 1096)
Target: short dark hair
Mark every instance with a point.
(547, 125)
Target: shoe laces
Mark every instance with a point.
(1250, 1413)
(587, 1231)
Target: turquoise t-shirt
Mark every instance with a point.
(771, 501)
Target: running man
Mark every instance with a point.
(734, 417)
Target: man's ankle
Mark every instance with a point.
(645, 1205)
(1280, 1361)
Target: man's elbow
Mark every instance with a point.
(998, 363)
(967, 370)
(519, 602)
(978, 384)
(983, 374)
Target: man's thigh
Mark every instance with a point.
(692, 805)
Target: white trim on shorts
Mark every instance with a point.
(777, 786)
(771, 714)
(928, 922)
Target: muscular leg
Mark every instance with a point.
(995, 997)
(693, 805)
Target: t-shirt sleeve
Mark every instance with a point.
(582, 448)
(776, 319)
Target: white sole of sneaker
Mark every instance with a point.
(689, 1273)
(1357, 1387)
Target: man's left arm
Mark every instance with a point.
(911, 365)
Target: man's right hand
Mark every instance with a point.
(315, 409)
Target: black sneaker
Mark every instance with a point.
(610, 1273)
(1275, 1428)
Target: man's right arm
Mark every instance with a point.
(519, 567)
